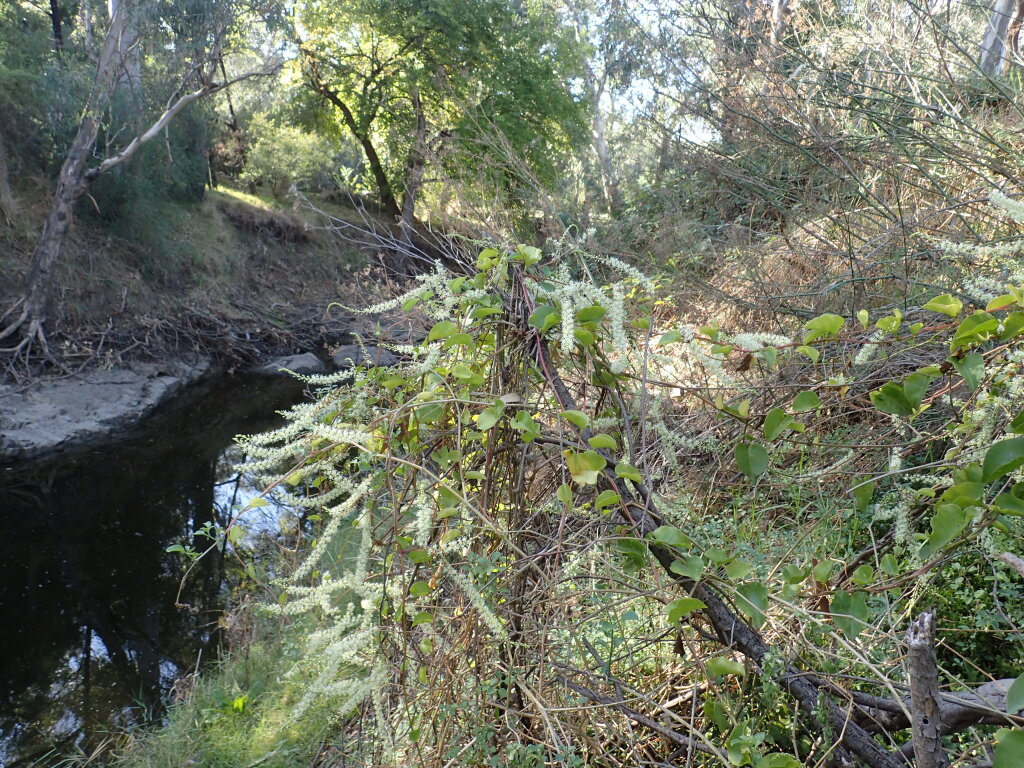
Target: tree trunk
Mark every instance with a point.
(780, 20)
(993, 45)
(611, 184)
(236, 129)
(87, 26)
(664, 155)
(415, 166)
(47, 252)
(8, 206)
(926, 714)
(71, 183)
(1013, 37)
(57, 22)
(387, 196)
(595, 88)
(128, 54)
(75, 179)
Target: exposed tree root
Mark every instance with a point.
(33, 339)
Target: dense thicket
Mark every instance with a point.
(670, 482)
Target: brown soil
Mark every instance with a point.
(238, 278)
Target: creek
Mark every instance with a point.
(93, 630)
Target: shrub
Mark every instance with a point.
(282, 156)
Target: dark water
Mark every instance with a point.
(90, 637)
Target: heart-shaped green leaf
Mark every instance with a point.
(544, 317)
(737, 569)
(628, 472)
(1009, 752)
(849, 612)
(971, 367)
(892, 399)
(691, 567)
(974, 329)
(822, 326)
(805, 401)
(753, 602)
(775, 423)
(591, 314)
(604, 441)
(719, 667)
(419, 589)
(946, 523)
(752, 459)
(585, 467)
(946, 304)
(684, 606)
(1002, 458)
(577, 418)
(488, 418)
(670, 536)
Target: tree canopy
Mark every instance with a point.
(471, 87)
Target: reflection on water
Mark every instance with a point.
(90, 637)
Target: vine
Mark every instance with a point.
(493, 558)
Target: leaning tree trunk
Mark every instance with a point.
(71, 183)
(75, 179)
(47, 253)
(384, 191)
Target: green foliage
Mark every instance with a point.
(1009, 751)
(132, 202)
(282, 155)
(421, 459)
(752, 459)
(488, 82)
(827, 482)
(236, 712)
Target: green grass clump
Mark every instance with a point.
(237, 713)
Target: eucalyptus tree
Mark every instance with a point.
(814, 108)
(443, 84)
(611, 55)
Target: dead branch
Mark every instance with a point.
(686, 741)
(926, 708)
(170, 112)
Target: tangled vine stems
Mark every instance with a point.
(491, 486)
(642, 516)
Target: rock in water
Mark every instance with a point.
(351, 355)
(65, 413)
(307, 364)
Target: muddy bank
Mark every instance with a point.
(72, 412)
(69, 412)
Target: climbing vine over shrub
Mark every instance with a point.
(517, 573)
